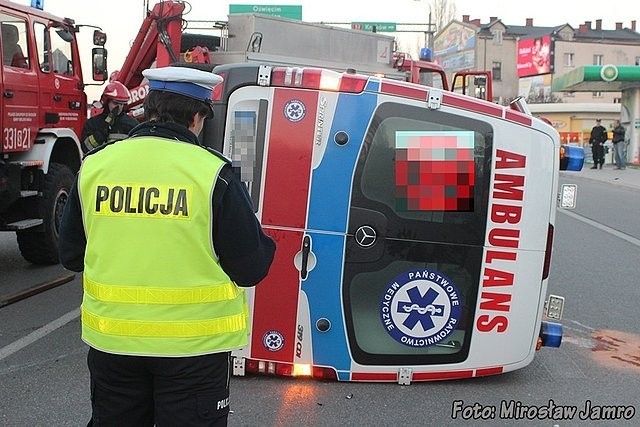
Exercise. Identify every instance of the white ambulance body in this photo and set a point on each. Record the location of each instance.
(413, 226)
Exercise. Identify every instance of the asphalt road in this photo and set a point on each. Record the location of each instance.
(595, 266)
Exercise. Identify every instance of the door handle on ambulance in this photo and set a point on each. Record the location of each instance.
(306, 248)
(305, 259)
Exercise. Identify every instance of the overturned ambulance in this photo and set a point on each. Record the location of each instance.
(414, 225)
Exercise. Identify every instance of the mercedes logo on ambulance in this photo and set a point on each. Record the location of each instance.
(365, 236)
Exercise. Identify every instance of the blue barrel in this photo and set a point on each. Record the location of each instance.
(571, 158)
(551, 334)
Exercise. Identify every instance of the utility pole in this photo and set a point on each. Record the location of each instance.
(431, 31)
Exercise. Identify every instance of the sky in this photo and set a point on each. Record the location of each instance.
(121, 19)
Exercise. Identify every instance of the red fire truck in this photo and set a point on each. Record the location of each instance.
(43, 109)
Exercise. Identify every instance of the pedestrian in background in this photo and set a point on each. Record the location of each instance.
(619, 147)
(166, 236)
(597, 139)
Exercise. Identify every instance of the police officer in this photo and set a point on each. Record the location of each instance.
(597, 139)
(166, 236)
(113, 123)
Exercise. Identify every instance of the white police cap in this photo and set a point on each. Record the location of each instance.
(184, 81)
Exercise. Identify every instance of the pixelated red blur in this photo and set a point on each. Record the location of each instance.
(434, 171)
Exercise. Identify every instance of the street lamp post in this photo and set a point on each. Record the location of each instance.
(430, 31)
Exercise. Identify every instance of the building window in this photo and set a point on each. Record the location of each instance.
(597, 94)
(567, 35)
(568, 59)
(497, 36)
(617, 100)
(598, 59)
(637, 60)
(496, 71)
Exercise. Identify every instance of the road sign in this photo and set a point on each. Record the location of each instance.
(283, 11)
(381, 27)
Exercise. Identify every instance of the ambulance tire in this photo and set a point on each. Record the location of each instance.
(41, 247)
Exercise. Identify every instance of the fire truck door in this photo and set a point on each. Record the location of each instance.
(20, 87)
(65, 101)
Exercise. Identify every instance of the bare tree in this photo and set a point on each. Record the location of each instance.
(440, 12)
(443, 11)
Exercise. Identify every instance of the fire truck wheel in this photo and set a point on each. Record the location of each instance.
(42, 247)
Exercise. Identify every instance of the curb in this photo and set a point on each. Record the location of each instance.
(609, 181)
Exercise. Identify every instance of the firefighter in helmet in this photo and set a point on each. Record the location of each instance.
(113, 123)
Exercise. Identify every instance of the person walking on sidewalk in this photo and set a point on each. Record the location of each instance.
(597, 139)
(619, 145)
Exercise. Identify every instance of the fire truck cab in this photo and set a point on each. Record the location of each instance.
(414, 226)
(42, 109)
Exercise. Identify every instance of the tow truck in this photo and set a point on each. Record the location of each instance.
(43, 110)
(164, 39)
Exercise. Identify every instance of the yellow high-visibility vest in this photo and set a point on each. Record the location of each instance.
(152, 281)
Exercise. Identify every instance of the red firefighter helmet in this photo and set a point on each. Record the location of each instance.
(115, 91)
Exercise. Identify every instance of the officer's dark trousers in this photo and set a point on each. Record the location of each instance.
(165, 391)
(598, 154)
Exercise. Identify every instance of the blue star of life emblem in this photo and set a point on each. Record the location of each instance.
(420, 308)
(295, 110)
(273, 340)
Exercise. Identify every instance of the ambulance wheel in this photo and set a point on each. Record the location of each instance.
(41, 247)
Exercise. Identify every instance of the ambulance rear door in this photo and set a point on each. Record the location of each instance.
(363, 192)
(269, 136)
(296, 149)
(416, 231)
